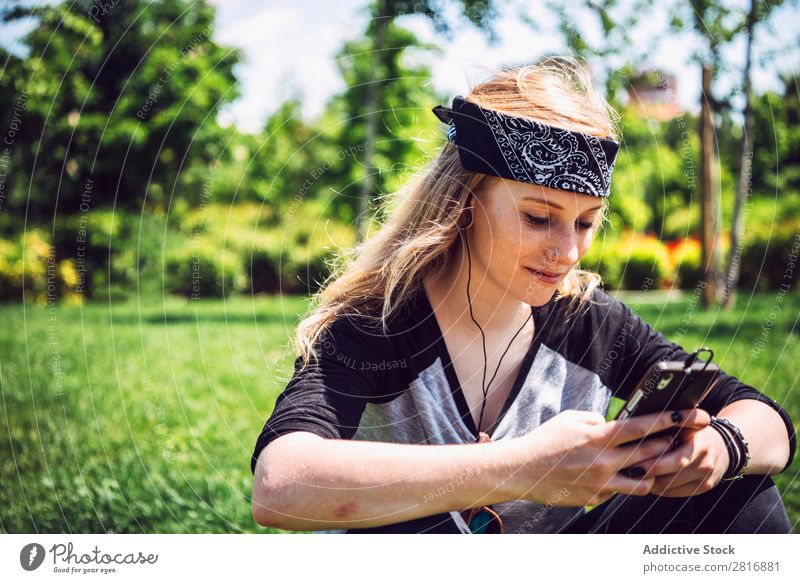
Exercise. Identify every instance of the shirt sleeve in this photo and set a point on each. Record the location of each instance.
(328, 396)
(643, 347)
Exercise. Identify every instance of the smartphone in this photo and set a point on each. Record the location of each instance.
(671, 385)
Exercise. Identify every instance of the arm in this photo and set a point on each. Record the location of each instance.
(359, 484)
(574, 457)
(699, 464)
(765, 433)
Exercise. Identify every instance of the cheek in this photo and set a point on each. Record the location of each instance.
(585, 241)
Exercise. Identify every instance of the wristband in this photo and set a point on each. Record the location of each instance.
(733, 457)
(739, 469)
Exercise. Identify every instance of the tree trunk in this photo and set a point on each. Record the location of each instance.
(372, 105)
(745, 175)
(708, 222)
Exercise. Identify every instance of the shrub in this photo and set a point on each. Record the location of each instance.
(203, 270)
(262, 265)
(603, 257)
(686, 257)
(114, 251)
(647, 265)
(770, 257)
(24, 265)
(632, 261)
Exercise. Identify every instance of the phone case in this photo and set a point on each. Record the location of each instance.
(671, 385)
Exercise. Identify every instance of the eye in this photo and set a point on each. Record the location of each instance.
(544, 221)
(537, 221)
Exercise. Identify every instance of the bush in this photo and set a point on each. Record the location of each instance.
(29, 270)
(686, 257)
(631, 261)
(603, 257)
(647, 265)
(770, 257)
(115, 251)
(262, 266)
(203, 270)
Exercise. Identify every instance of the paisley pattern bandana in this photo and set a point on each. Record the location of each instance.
(521, 149)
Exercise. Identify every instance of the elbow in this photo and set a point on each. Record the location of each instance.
(266, 509)
(263, 512)
(276, 497)
(260, 509)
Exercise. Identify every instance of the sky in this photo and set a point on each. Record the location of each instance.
(289, 49)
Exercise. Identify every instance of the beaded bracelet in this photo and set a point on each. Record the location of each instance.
(743, 459)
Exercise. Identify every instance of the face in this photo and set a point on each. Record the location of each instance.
(526, 238)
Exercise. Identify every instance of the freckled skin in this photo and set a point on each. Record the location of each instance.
(345, 510)
(504, 242)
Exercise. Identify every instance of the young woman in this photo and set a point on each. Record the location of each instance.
(455, 377)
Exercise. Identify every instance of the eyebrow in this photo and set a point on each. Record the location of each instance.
(554, 205)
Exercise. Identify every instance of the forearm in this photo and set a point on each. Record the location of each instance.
(359, 484)
(765, 433)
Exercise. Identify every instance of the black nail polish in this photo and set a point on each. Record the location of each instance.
(677, 417)
(634, 472)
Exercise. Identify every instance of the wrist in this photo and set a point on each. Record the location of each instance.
(722, 455)
(524, 470)
(508, 478)
(737, 446)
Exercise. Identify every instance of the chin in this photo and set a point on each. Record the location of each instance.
(539, 295)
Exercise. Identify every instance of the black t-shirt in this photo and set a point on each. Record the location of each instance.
(401, 387)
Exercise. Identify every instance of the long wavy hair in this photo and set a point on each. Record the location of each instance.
(421, 235)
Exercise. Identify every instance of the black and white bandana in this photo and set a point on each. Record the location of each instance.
(521, 149)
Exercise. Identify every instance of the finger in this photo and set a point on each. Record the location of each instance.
(672, 481)
(630, 455)
(671, 463)
(590, 417)
(700, 420)
(633, 486)
(634, 428)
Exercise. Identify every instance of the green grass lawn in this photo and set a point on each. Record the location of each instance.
(141, 416)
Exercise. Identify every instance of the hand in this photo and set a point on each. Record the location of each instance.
(695, 467)
(574, 459)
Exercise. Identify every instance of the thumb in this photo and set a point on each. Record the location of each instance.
(589, 417)
(695, 419)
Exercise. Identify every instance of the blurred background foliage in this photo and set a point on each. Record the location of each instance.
(137, 411)
(127, 182)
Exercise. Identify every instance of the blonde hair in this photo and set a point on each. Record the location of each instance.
(421, 235)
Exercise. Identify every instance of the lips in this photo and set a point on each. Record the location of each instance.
(547, 276)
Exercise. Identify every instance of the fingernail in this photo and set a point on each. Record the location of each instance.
(676, 443)
(677, 417)
(636, 472)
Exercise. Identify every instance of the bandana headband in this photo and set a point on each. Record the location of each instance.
(521, 149)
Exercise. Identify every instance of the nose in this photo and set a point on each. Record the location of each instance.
(563, 248)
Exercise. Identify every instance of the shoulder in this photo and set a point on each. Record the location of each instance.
(600, 309)
(353, 335)
(600, 322)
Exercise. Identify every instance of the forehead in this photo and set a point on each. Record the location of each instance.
(518, 193)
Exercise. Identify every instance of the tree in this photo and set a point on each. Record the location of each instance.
(613, 56)
(120, 101)
(479, 12)
(405, 91)
(718, 24)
